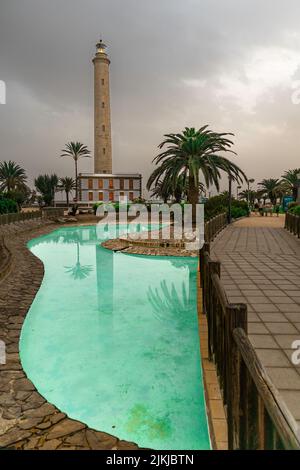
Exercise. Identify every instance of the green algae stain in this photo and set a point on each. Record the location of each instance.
(141, 419)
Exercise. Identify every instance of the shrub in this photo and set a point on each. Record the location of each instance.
(237, 212)
(292, 204)
(219, 204)
(7, 206)
(295, 210)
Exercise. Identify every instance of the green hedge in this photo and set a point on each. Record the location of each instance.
(7, 206)
(219, 204)
(295, 209)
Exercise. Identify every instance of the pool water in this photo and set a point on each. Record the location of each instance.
(112, 340)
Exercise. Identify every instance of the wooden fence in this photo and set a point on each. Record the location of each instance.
(214, 226)
(292, 224)
(257, 418)
(46, 213)
(5, 258)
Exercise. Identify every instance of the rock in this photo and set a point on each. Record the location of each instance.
(50, 445)
(13, 436)
(23, 385)
(100, 440)
(6, 399)
(29, 423)
(64, 427)
(12, 412)
(22, 395)
(32, 443)
(77, 439)
(57, 417)
(35, 400)
(44, 425)
(123, 445)
(40, 412)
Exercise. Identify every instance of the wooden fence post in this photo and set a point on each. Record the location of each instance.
(236, 317)
(214, 267)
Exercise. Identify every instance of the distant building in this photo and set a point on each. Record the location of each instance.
(104, 187)
(103, 184)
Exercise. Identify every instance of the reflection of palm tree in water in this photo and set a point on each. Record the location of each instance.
(79, 271)
(168, 305)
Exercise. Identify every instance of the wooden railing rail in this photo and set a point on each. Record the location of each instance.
(257, 418)
(292, 223)
(46, 213)
(265, 422)
(214, 226)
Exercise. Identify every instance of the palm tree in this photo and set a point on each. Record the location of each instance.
(190, 153)
(290, 177)
(248, 196)
(12, 176)
(76, 150)
(269, 188)
(67, 184)
(46, 185)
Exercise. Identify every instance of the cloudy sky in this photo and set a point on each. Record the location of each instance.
(232, 64)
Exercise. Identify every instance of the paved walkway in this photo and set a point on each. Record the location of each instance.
(261, 267)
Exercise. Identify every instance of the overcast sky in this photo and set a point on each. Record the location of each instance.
(231, 64)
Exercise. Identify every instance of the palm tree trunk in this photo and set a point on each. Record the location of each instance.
(76, 180)
(67, 196)
(193, 197)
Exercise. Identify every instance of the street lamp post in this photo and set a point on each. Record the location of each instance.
(251, 181)
(229, 197)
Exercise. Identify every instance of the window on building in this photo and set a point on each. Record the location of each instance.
(122, 193)
(100, 184)
(100, 196)
(104, 150)
(130, 184)
(104, 171)
(111, 196)
(131, 196)
(111, 184)
(121, 184)
(91, 196)
(90, 183)
(103, 128)
(102, 81)
(103, 104)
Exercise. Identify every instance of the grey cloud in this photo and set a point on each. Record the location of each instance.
(159, 50)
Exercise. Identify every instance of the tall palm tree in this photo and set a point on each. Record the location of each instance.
(67, 184)
(75, 150)
(250, 196)
(46, 185)
(193, 152)
(291, 178)
(12, 176)
(269, 188)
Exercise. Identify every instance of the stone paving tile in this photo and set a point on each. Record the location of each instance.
(263, 341)
(292, 400)
(257, 328)
(284, 378)
(274, 358)
(285, 341)
(281, 328)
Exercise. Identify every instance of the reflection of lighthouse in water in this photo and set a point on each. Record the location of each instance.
(105, 280)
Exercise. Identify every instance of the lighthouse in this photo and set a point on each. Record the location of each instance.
(102, 120)
(104, 185)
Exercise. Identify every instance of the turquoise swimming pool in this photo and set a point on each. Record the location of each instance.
(112, 340)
